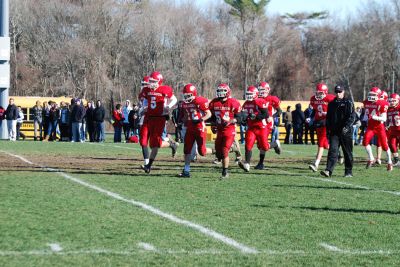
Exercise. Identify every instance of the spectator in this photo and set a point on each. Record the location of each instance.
(287, 120)
(54, 115)
(20, 120)
(364, 125)
(90, 122)
(177, 121)
(309, 125)
(118, 118)
(2, 115)
(356, 125)
(133, 121)
(98, 116)
(64, 121)
(275, 129)
(77, 115)
(45, 117)
(298, 120)
(125, 124)
(37, 121)
(243, 127)
(11, 117)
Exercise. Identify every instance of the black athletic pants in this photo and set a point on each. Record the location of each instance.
(346, 142)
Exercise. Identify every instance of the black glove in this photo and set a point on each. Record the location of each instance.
(197, 121)
(252, 116)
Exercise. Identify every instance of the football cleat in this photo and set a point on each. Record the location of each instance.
(244, 166)
(325, 173)
(277, 148)
(378, 161)
(389, 167)
(224, 176)
(184, 174)
(217, 161)
(259, 166)
(147, 168)
(313, 167)
(370, 163)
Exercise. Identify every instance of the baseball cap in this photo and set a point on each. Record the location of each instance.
(339, 89)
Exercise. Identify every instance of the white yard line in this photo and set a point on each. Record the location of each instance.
(330, 247)
(206, 231)
(55, 247)
(147, 246)
(195, 252)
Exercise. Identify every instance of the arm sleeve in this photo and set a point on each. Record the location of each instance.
(352, 115)
(381, 118)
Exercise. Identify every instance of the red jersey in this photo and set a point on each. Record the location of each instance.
(224, 111)
(194, 111)
(156, 99)
(321, 106)
(374, 108)
(393, 118)
(253, 107)
(274, 102)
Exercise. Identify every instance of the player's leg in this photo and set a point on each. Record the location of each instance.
(382, 139)
(323, 143)
(250, 139)
(187, 149)
(227, 142)
(369, 134)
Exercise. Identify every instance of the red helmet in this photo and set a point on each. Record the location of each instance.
(155, 80)
(374, 94)
(145, 82)
(263, 89)
(251, 93)
(223, 91)
(394, 100)
(384, 96)
(321, 91)
(189, 93)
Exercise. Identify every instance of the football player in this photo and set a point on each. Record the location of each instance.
(160, 99)
(225, 111)
(384, 98)
(320, 102)
(256, 113)
(393, 124)
(274, 110)
(195, 112)
(376, 109)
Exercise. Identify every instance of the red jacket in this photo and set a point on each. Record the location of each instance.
(118, 118)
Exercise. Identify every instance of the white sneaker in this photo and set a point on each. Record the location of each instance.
(313, 167)
(244, 166)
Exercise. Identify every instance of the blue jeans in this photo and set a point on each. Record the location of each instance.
(243, 129)
(117, 134)
(274, 134)
(100, 132)
(52, 128)
(355, 133)
(76, 135)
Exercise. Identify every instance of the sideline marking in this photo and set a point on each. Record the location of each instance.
(55, 247)
(147, 246)
(330, 247)
(206, 231)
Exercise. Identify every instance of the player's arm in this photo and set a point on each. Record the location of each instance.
(262, 114)
(172, 101)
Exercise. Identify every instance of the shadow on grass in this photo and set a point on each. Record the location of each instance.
(345, 210)
(319, 187)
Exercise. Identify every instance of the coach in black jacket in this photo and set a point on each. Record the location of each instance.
(339, 125)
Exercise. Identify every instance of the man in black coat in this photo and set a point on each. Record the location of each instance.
(99, 114)
(339, 125)
(11, 115)
(298, 120)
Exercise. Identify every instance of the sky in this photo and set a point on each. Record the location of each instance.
(341, 7)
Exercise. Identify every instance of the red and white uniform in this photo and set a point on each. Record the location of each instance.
(321, 107)
(393, 122)
(195, 132)
(273, 104)
(375, 127)
(257, 129)
(155, 114)
(224, 112)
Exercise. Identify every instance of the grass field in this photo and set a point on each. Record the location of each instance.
(69, 204)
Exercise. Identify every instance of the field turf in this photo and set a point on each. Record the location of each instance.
(72, 204)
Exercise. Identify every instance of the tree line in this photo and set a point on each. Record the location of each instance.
(101, 49)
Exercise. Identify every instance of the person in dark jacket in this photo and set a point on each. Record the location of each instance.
(339, 125)
(77, 114)
(54, 115)
(98, 116)
(11, 117)
(90, 122)
(309, 128)
(298, 120)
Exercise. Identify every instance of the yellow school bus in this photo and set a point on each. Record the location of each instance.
(27, 103)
